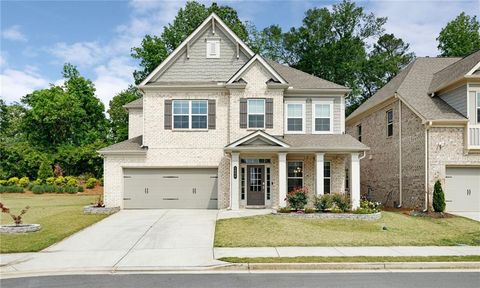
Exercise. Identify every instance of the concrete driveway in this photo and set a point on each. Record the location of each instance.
(131, 239)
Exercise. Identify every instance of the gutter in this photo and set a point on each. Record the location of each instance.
(400, 178)
(427, 160)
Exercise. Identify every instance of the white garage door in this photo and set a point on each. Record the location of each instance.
(462, 189)
(170, 188)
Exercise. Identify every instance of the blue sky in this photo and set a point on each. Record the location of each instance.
(37, 37)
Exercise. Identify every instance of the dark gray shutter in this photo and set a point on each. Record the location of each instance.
(167, 119)
(211, 114)
(243, 113)
(269, 113)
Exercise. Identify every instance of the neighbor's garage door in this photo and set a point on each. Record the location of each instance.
(170, 188)
(462, 189)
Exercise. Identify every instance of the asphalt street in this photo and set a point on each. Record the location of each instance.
(250, 280)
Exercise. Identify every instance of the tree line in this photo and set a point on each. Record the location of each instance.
(64, 125)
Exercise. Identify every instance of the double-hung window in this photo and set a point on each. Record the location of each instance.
(256, 113)
(294, 175)
(389, 123)
(322, 117)
(190, 114)
(295, 117)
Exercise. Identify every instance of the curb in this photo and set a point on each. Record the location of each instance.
(350, 266)
(252, 268)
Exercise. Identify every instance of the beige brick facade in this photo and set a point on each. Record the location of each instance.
(135, 122)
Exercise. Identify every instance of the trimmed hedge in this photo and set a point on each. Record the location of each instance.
(11, 189)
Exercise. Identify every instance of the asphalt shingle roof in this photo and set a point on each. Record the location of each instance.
(454, 72)
(138, 103)
(412, 85)
(130, 145)
(301, 80)
(326, 142)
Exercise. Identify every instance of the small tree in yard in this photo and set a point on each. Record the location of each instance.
(44, 171)
(16, 218)
(438, 197)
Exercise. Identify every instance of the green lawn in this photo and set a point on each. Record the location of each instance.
(59, 215)
(402, 230)
(318, 259)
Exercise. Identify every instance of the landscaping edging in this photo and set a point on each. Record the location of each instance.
(22, 228)
(100, 210)
(348, 216)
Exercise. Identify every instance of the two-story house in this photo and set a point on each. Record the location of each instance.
(221, 127)
(423, 126)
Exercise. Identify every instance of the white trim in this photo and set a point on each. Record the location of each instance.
(323, 102)
(249, 63)
(190, 37)
(216, 43)
(475, 68)
(320, 173)
(282, 179)
(477, 100)
(255, 134)
(264, 113)
(288, 102)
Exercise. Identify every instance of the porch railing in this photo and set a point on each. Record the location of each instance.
(474, 136)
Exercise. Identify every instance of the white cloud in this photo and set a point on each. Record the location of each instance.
(16, 84)
(419, 22)
(113, 77)
(81, 53)
(3, 61)
(13, 33)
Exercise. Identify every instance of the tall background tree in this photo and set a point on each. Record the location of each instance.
(119, 115)
(154, 49)
(460, 37)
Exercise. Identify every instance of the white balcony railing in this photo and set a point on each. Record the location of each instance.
(474, 136)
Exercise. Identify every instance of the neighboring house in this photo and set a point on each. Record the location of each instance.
(423, 126)
(221, 127)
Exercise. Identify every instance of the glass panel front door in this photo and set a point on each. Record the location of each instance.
(255, 185)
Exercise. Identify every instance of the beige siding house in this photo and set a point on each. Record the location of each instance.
(423, 126)
(220, 127)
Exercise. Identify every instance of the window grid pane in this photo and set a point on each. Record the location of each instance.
(294, 124)
(322, 110)
(268, 183)
(295, 110)
(322, 117)
(322, 124)
(256, 121)
(326, 177)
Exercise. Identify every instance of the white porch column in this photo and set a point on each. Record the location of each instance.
(355, 180)
(234, 181)
(319, 173)
(282, 179)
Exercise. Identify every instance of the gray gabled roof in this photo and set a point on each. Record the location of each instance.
(412, 85)
(132, 145)
(300, 80)
(454, 72)
(138, 103)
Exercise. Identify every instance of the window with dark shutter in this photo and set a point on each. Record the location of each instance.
(167, 119)
(243, 113)
(269, 113)
(211, 114)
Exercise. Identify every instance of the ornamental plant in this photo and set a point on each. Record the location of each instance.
(24, 181)
(13, 181)
(438, 197)
(91, 183)
(44, 171)
(342, 202)
(16, 218)
(297, 198)
(324, 202)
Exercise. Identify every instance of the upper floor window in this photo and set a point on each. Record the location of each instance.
(295, 117)
(389, 123)
(323, 117)
(256, 113)
(213, 48)
(190, 114)
(359, 132)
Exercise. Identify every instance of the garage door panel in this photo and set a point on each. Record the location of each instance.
(462, 189)
(170, 188)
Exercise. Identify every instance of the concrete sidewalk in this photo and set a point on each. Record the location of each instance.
(347, 251)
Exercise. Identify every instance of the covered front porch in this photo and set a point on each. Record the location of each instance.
(263, 169)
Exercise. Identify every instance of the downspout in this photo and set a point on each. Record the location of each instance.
(400, 176)
(427, 126)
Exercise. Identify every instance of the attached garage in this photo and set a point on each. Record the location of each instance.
(462, 189)
(170, 188)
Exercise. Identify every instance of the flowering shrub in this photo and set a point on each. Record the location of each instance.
(368, 207)
(342, 202)
(297, 198)
(324, 202)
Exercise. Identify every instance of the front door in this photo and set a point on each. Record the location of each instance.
(255, 188)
